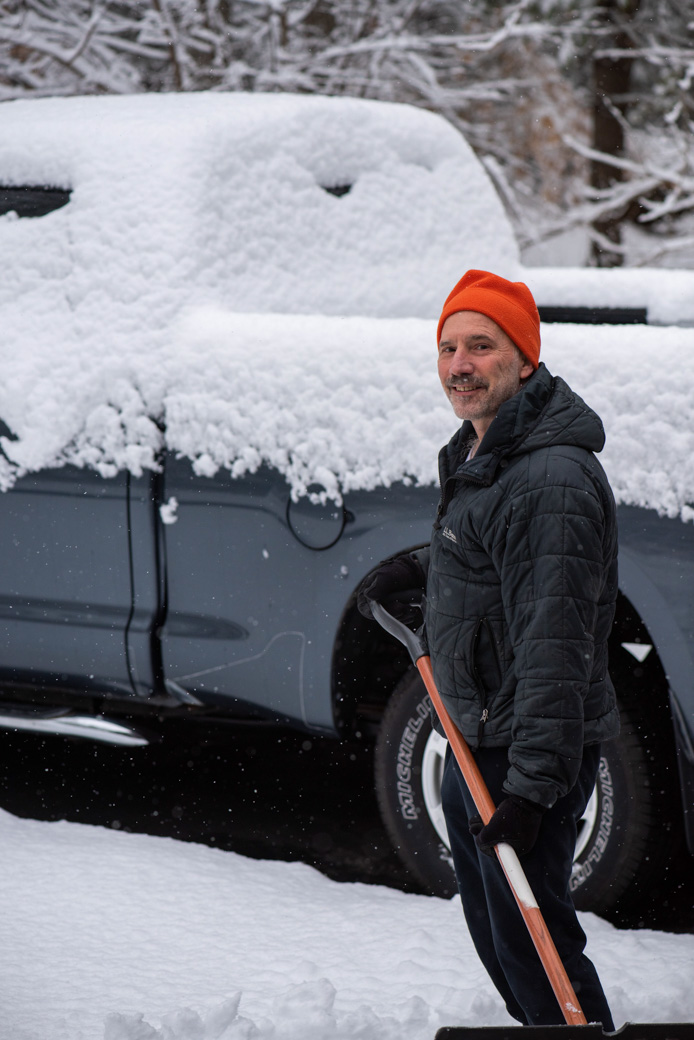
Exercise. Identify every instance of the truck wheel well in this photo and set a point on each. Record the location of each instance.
(367, 665)
(642, 689)
(641, 684)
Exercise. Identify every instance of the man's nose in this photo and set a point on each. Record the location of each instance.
(461, 363)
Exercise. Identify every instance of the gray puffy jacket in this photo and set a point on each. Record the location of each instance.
(521, 587)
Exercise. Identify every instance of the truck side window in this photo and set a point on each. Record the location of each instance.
(32, 200)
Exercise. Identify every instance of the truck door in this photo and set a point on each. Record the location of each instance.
(233, 634)
(65, 583)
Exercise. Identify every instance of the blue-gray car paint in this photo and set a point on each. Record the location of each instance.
(239, 602)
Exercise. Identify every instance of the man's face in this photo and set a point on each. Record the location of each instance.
(479, 367)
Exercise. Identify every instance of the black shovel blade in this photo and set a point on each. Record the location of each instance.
(630, 1031)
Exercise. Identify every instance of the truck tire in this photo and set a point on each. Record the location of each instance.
(620, 838)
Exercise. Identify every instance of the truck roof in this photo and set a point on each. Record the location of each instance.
(265, 202)
(249, 279)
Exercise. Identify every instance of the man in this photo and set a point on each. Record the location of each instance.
(521, 582)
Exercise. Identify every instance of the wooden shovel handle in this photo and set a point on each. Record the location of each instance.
(515, 875)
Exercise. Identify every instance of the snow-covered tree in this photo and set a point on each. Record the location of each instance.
(632, 62)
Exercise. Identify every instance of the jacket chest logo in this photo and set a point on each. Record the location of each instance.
(447, 533)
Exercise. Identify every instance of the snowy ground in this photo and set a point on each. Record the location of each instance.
(115, 936)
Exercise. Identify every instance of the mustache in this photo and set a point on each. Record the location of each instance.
(462, 381)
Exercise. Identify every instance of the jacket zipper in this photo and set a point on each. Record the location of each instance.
(478, 683)
(445, 499)
(484, 717)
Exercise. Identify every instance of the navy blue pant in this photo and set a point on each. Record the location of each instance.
(496, 926)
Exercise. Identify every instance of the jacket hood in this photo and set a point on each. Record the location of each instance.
(545, 413)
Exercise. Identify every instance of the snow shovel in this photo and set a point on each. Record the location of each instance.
(576, 1027)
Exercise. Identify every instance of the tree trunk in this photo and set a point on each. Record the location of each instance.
(611, 85)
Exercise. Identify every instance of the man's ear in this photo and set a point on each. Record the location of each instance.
(526, 370)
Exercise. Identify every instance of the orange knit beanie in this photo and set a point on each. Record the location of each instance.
(509, 304)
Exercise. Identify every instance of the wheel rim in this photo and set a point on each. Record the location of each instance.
(432, 775)
(587, 824)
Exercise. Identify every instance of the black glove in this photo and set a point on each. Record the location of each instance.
(398, 585)
(516, 821)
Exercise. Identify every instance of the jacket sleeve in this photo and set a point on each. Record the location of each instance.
(550, 553)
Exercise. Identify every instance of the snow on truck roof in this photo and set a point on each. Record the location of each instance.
(261, 202)
(248, 279)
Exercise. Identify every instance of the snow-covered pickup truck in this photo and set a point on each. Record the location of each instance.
(221, 410)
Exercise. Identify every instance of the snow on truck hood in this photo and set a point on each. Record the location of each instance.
(666, 295)
(203, 292)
